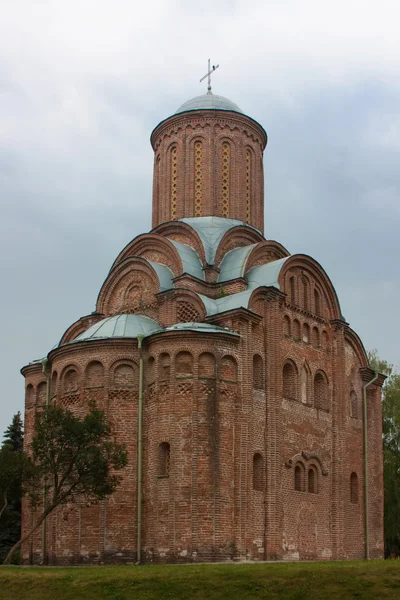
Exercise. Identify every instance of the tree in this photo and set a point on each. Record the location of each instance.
(391, 451)
(74, 458)
(14, 434)
(12, 466)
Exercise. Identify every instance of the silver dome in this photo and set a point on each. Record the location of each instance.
(209, 102)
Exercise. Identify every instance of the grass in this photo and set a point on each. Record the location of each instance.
(295, 581)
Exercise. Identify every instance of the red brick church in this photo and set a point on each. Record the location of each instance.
(255, 445)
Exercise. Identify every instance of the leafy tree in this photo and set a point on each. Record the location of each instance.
(391, 451)
(14, 434)
(75, 458)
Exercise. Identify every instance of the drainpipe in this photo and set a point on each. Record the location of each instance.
(366, 463)
(44, 526)
(140, 449)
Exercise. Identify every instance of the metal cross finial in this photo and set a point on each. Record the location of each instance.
(211, 69)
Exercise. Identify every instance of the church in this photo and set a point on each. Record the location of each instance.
(250, 414)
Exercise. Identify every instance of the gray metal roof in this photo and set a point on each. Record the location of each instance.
(265, 274)
(119, 326)
(164, 275)
(191, 262)
(211, 230)
(200, 328)
(209, 102)
(233, 264)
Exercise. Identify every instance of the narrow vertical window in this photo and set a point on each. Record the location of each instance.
(164, 459)
(321, 391)
(198, 179)
(354, 405)
(258, 473)
(173, 181)
(317, 303)
(299, 478)
(258, 372)
(292, 291)
(354, 488)
(312, 481)
(226, 159)
(248, 185)
(306, 287)
(289, 381)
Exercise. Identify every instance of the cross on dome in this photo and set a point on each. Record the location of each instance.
(208, 75)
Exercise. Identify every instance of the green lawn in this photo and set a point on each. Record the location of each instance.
(294, 581)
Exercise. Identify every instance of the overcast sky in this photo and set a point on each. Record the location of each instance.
(84, 82)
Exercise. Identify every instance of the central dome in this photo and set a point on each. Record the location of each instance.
(209, 102)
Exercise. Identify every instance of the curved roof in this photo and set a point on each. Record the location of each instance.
(211, 230)
(233, 264)
(265, 274)
(164, 274)
(119, 326)
(201, 328)
(191, 262)
(209, 102)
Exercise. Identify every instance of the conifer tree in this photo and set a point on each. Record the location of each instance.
(14, 434)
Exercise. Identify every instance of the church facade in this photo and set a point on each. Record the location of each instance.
(255, 444)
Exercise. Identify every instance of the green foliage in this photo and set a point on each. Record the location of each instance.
(391, 451)
(12, 465)
(76, 455)
(14, 434)
(74, 458)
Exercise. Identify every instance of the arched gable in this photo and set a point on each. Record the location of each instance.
(130, 286)
(356, 344)
(237, 237)
(183, 233)
(182, 306)
(264, 253)
(79, 327)
(153, 247)
(309, 274)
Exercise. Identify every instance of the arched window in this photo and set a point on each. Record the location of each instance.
(286, 325)
(289, 376)
(198, 178)
(164, 366)
(292, 289)
(248, 184)
(29, 394)
(306, 291)
(228, 369)
(164, 459)
(317, 302)
(207, 365)
(321, 394)
(225, 179)
(306, 333)
(126, 376)
(174, 177)
(353, 405)
(94, 374)
(304, 392)
(184, 364)
(354, 488)
(296, 329)
(258, 472)
(315, 337)
(258, 372)
(312, 480)
(299, 478)
(70, 382)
